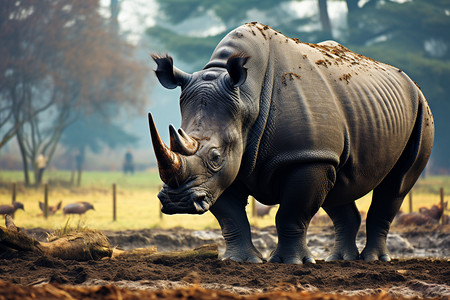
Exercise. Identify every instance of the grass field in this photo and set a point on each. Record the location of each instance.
(137, 204)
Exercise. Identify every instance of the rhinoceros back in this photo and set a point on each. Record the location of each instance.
(320, 103)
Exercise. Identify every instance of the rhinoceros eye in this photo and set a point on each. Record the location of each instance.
(215, 159)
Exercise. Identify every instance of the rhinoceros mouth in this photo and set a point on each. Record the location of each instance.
(188, 202)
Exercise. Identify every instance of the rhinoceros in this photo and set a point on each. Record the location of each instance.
(296, 124)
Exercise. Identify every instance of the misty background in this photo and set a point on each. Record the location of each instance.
(77, 81)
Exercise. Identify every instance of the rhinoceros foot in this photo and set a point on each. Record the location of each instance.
(344, 253)
(377, 230)
(249, 254)
(288, 256)
(373, 254)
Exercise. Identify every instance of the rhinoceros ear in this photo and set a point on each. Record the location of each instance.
(236, 69)
(168, 75)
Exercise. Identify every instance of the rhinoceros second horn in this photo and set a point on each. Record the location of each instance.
(181, 142)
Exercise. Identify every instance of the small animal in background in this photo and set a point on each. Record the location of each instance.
(435, 212)
(424, 216)
(262, 210)
(51, 209)
(78, 208)
(10, 209)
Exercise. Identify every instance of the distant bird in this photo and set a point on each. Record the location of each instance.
(262, 210)
(10, 209)
(77, 208)
(50, 209)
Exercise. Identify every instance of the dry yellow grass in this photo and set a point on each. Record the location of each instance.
(135, 210)
(137, 205)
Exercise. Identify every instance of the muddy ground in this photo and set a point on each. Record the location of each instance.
(420, 268)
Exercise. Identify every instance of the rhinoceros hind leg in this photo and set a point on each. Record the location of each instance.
(389, 194)
(229, 211)
(302, 192)
(382, 211)
(346, 220)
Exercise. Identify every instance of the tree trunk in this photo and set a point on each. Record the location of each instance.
(79, 172)
(352, 5)
(352, 14)
(72, 177)
(115, 9)
(26, 174)
(79, 161)
(325, 19)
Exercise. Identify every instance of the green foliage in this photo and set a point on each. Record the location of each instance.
(91, 180)
(407, 25)
(195, 50)
(228, 11)
(230, 14)
(433, 185)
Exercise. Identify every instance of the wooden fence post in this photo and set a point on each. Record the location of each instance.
(46, 200)
(410, 201)
(14, 190)
(441, 192)
(114, 202)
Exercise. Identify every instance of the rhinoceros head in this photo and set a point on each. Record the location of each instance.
(205, 153)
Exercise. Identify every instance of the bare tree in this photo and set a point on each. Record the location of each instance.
(60, 60)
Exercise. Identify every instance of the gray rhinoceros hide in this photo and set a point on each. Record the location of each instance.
(296, 124)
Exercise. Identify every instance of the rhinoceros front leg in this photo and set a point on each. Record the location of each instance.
(302, 192)
(229, 210)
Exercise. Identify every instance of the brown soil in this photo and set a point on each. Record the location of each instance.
(25, 275)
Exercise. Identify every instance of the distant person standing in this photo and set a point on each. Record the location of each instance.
(128, 165)
(41, 164)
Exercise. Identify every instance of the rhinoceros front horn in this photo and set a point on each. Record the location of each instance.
(169, 162)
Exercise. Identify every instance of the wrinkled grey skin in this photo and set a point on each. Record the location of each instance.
(300, 125)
